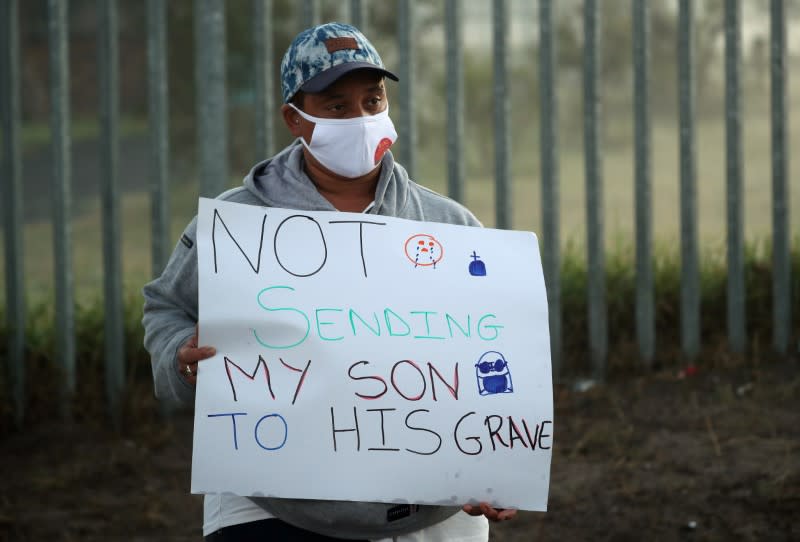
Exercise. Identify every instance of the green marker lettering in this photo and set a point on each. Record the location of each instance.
(320, 324)
(270, 309)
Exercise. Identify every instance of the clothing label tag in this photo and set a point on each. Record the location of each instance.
(401, 511)
(186, 241)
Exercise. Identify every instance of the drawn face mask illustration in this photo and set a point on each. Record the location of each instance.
(350, 147)
(493, 374)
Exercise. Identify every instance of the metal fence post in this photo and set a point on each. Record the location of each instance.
(158, 120)
(263, 71)
(12, 204)
(61, 143)
(737, 332)
(548, 148)
(408, 126)
(212, 104)
(114, 319)
(455, 101)
(310, 13)
(781, 241)
(598, 327)
(502, 105)
(645, 318)
(358, 15)
(690, 274)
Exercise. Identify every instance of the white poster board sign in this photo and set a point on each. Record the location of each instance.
(370, 358)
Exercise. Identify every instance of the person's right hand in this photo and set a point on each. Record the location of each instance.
(189, 355)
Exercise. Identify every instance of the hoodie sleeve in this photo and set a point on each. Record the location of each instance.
(170, 317)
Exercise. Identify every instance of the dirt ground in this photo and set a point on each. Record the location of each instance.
(710, 456)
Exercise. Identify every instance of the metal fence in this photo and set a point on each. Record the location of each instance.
(210, 55)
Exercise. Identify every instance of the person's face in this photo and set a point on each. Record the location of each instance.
(357, 94)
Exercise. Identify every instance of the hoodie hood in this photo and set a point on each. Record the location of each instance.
(281, 181)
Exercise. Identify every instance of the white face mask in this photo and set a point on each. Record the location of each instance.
(350, 147)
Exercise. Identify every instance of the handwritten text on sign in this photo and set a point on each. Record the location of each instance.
(370, 358)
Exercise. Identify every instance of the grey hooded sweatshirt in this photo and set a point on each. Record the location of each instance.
(170, 315)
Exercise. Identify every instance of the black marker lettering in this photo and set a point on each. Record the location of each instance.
(476, 439)
(415, 428)
(360, 235)
(379, 379)
(251, 376)
(542, 435)
(528, 433)
(452, 389)
(494, 432)
(302, 376)
(512, 431)
(217, 216)
(358, 433)
(421, 375)
(322, 238)
(383, 431)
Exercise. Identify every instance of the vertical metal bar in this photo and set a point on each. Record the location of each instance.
(158, 120)
(358, 15)
(690, 269)
(781, 241)
(548, 149)
(158, 113)
(502, 105)
(108, 67)
(405, 47)
(455, 101)
(737, 334)
(598, 332)
(12, 204)
(263, 32)
(645, 317)
(61, 198)
(212, 106)
(310, 13)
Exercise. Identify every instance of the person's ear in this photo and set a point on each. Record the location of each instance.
(292, 119)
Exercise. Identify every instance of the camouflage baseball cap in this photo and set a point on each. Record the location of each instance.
(320, 55)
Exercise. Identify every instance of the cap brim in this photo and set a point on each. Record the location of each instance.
(325, 79)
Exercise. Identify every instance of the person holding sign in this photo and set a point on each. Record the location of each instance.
(336, 106)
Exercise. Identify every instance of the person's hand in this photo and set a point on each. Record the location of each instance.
(189, 355)
(492, 514)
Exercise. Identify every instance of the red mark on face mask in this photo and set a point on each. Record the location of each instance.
(383, 146)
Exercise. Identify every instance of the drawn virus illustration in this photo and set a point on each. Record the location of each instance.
(424, 250)
(476, 267)
(493, 374)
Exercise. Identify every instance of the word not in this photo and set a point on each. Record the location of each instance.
(335, 323)
(317, 255)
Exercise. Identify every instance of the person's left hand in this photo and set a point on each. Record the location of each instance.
(492, 514)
